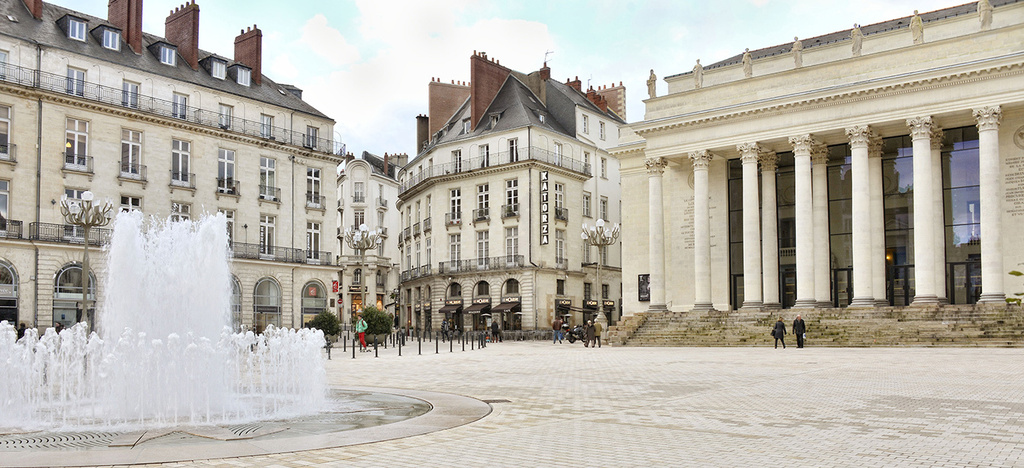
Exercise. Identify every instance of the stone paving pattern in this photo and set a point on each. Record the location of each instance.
(756, 406)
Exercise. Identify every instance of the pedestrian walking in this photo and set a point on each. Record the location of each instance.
(779, 332)
(597, 333)
(588, 334)
(21, 330)
(495, 332)
(361, 327)
(800, 331)
(556, 328)
(445, 330)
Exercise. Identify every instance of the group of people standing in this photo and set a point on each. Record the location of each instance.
(591, 332)
(799, 329)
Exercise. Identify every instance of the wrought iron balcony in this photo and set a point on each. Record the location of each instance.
(316, 201)
(561, 263)
(183, 179)
(481, 214)
(381, 202)
(359, 198)
(270, 193)
(227, 186)
(406, 275)
(274, 253)
(383, 231)
(132, 171)
(426, 225)
(416, 229)
(492, 160)
(406, 233)
(453, 219)
(8, 153)
(67, 233)
(510, 211)
(503, 262)
(317, 257)
(78, 163)
(561, 214)
(10, 229)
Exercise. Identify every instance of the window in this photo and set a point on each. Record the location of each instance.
(482, 196)
(218, 69)
(76, 144)
(229, 216)
(512, 241)
(604, 168)
(358, 217)
(512, 195)
(483, 246)
(226, 113)
(180, 211)
(267, 227)
(604, 208)
(559, 195)
(3, 64)
(456, 204)
(586, 253)
(226, 172)
(604, 291)
(494, 120)
(312, 134)
(603, 250)
(168, 55)
(131, 152)
(560, 287)
(587, 287)
(5, 200)
(427, 252)
(130, 94)
(268, 178)
(76, 29)
(181, 158)
(454, 247)
(179, 108)
(560, 246)
(357, 276)
(485, 155)
(513, 150)
(586, 123)
(600, 127)
(244, 76)
(76, 82)
(5, 131)
(512, 286)
(586, 204)
(129, 203)
(457, 161)
(313, 240)
(111, 39)
(465, 126)
(358, 192)
(266, 126)
(313, 187)
(418, 255)
(558, 154)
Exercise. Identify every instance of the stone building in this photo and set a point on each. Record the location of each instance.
(155, 124)
(881, 165)
(510, 166)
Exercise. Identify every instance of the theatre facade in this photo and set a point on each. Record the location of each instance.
(880, 165)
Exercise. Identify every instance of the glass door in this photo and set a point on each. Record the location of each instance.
(787, 275)
(901, 285)
(964, 282)
(842, 287)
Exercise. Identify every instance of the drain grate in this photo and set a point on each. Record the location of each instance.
(497, 401)
(66, 440)
(245, 429)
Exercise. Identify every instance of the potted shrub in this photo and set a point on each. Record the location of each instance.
(328, 323)
(378, 324)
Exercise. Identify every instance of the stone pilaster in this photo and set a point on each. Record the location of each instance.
(940, 221)
(877, 223)
(656, 232)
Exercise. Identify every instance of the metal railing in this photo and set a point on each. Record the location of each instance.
(483, 263)
(59, 83)
(10, 229)
(382, 202)
(78, 163)
(510, 211)
(414, 273)
(496, 159)
(227, 186)
(481, 214)
(426, 225)
(9, 153)
(359, 198)
(183, 179)
(280, 254)
(562, 213)
(452, 219)
(270, 193)
(406, 233)
(317, 257)
(316, 201)
(383, 231)
(416, 229)
(67, 233)
(562, 263)
(132, 171)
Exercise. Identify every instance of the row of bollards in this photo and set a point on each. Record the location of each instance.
(476, 340)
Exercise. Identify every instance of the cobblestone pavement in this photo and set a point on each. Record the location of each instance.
(619, 407)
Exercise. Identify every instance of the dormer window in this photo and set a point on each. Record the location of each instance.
(111, 39)
(244, 76)
(168, 55)
(218, 69)
(76, 29)
(465, 126)
(494, 120)
(541, 116)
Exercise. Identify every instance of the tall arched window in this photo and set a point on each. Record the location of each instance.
(357, 276)
(380, 279)
(511, 287)
(8, 293)
(67, 293)
(314, 300)
(236, 304)
(483, 289)
(455, 290)
(267, 304)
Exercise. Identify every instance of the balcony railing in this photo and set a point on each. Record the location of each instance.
(414, 273)
(67, 233)
(510, 211)
(316, 201)
(8, 153)
(317, 257)
(453, 219)
(10, 229)
(381, 202)
(561, 213)
(60, 83)
(405, 275)
(416, 229)
(183, 179)
(406, 233)
(270, 193)
(78, 163)
(359, 198)
(280, 254)
(383, 231)
(561, 263)
(426, 225)
(481, 214)
(503, 262)
(132, 171)
(495, 159)
(227, 186)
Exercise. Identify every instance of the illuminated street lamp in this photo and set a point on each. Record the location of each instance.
(362, 239)
(600, 236)
(87, 215)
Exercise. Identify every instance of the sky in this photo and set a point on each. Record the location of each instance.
(366, 63)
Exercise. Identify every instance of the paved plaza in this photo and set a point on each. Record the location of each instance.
(572, 406)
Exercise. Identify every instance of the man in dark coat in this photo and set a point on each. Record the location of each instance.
(495, 332)
(799, 329)
(779, 332)
(588, 333)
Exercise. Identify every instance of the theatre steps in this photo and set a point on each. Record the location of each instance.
(999, 326)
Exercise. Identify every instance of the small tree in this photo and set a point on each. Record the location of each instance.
(326, 322)
(1015, 300)
(378, 322)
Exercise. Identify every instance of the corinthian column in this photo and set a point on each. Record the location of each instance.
(822, 265)
(770, 238)
(749, 154)
(877, 222)
(862, 294)
(940, 221)
(656, 232)
(804, 221)
(924, 216)
(701, 232)
(991, 205)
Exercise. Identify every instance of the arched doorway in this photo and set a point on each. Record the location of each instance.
(236, 304)
(314, 301)
(8, 293)
(266, 304)
(480, 310)
(452, 309)
(67, 295)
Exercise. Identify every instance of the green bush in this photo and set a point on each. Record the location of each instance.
(378, 322)
(326, 322)
(1015, 300)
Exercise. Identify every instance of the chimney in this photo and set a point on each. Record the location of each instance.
(485, 77)
(182, 30)
(615, 96)
(127, 15)
(386, 174)
(35, 7)
(249, 52)
(545, 72)
(576, 84)
(597, 99)
(443, 100)
(422, 132)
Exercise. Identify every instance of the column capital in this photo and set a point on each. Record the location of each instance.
(750, 152)
(937, 137)
(859, 135)
(803, 144)
(920, 127)
(875, 146)
(655, 166)
(701, 159)
(819, 154)
(988, 117)
(769, 161)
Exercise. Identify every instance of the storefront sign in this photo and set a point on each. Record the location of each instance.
(608, 304)
(511, 299)
(355, 289)
(543, 207)
(482, 300)
(334, 286)
(590, 303)
(563, 302)
(453, 302)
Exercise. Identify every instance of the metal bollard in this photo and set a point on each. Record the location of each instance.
(462, 337)
(344, 344)
(419, 342)
(399, 347)
(353, 348)
(375, 346)
(471, 341)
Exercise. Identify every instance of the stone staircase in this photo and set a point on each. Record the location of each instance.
(979, 325)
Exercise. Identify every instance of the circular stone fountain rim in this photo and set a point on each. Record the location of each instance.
(447, 411)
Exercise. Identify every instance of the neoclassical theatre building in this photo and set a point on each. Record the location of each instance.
(158, 125)
(881, 165)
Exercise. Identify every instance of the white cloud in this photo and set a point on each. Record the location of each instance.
(282, 69)
(328, 42)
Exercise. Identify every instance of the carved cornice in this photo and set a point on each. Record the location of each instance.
(988, 117)
(859, 135)
(750, 152)
(655, 166)
(920, 127)
(769, 161)
(701, 159)
(802, 144)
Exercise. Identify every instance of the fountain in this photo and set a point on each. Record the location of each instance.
(165, 354)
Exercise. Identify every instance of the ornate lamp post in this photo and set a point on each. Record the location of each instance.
(87, 215)
(600, 236)
(362, 239)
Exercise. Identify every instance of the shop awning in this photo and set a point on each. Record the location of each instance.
(477, 308)
(449, 309)
(505, 307)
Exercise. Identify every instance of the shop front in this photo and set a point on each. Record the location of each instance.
(590, 309)
(479, 311)
(509, 312)
(452, 312)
